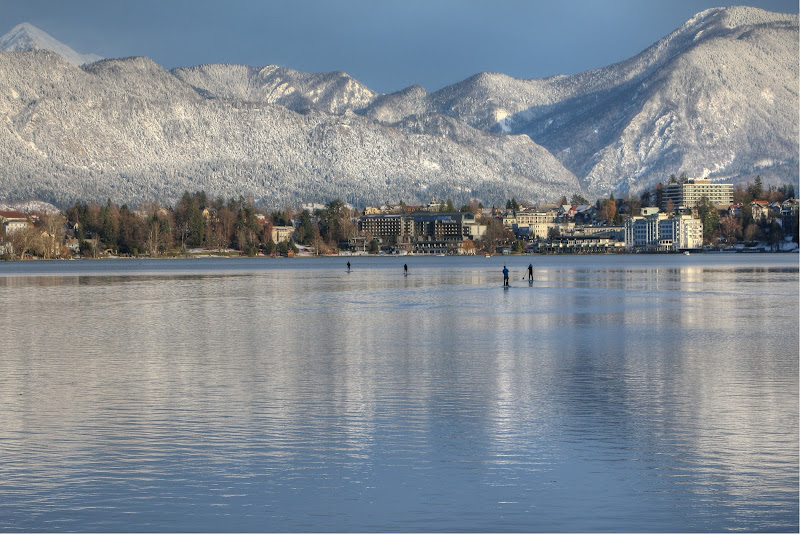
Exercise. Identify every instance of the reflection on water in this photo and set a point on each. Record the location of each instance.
(613, 393)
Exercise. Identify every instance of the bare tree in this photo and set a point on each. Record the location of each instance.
(469, 247)
(608, 210)
(53, 228)
(753, 232)
(495, 234)
(226, 225)
(28, 239)
(158, 234)
(731, 229)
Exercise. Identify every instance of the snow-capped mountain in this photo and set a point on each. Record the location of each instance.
(26, 36)
(128, 130)
(334, 92)
(718, 97)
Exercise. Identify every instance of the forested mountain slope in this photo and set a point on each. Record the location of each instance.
(130, 131)
(718, 97)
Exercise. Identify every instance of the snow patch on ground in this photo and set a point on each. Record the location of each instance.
(766, 163)
(504, 127)
(30, 206)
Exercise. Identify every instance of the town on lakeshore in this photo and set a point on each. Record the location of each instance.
(682, 215)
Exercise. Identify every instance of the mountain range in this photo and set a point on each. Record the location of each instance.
(717, 98)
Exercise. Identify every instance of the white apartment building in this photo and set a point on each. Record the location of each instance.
(538, 222)
(659, 231)
(688, 232)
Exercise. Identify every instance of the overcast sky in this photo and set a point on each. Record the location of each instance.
(388, 45)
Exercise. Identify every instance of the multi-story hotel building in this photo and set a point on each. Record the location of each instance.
(688, 194)
(538, 222)
(425, 233)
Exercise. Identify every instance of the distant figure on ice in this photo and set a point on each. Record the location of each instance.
(348, 266)
(505, 276)
(405, 269)
(530, 272)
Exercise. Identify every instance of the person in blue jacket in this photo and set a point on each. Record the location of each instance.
(505, 275)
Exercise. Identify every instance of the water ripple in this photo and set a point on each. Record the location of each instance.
(251, 398)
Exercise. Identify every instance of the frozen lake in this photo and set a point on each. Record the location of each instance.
(614, 393)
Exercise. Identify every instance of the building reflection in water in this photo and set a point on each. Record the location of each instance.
(672, 389)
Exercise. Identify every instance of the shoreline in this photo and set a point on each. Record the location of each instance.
(230, 255)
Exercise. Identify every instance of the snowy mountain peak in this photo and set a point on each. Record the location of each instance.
(24, 37)
(716, 98)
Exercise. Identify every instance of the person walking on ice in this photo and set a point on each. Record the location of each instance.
(505, 276)
(530, 272)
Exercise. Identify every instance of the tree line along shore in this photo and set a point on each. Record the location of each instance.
(197, 223)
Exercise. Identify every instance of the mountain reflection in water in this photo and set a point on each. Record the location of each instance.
(613, 393)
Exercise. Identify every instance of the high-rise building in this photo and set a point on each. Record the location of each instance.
(688, 194)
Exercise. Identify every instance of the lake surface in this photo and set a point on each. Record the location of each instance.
(614, 393)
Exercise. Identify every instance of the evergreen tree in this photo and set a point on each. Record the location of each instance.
(710, 217)
(334, 222)
(747, 215)
(131, 232)
(776, 235)
(268, 247)
(109, 225)
(305, 231)
(189, 221)
(247, 229)
(578, 200)
(279, 218)
(756, 190)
